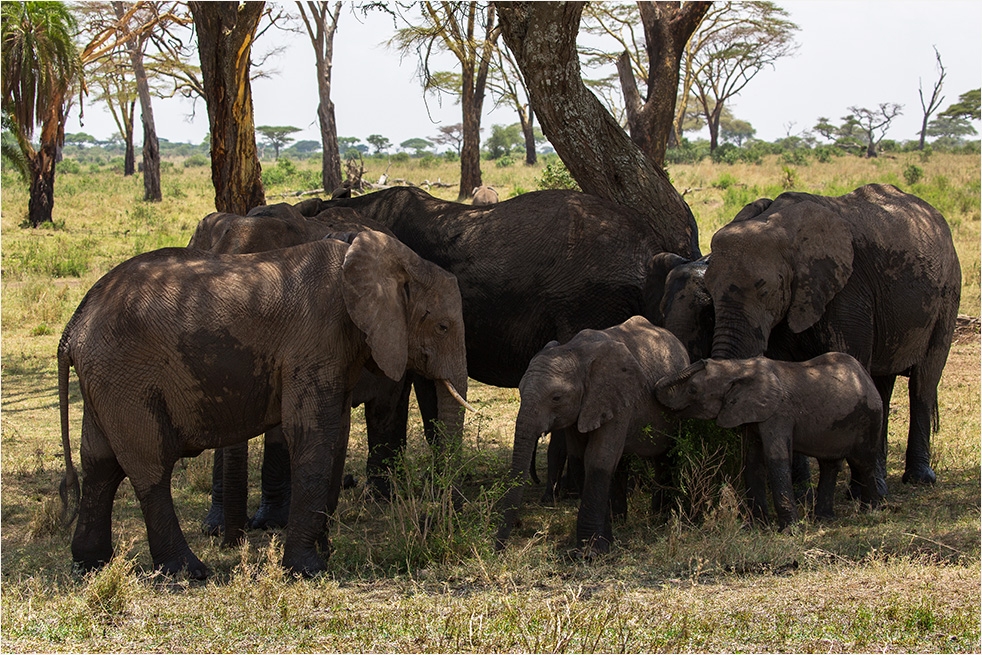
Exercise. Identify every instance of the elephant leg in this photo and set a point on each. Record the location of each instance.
(828, 473)
(923, 390)
(866, 472)
(235, 469)
(755, 475)
(92, 543)
(619, 490)
(801, 478)
(214, 521)
(776, 442)
(314, 455)
(573, 482)
(386, 416)
(168, 546)
(274, 504)
(884, 385)
(593, 521)
(556, 462)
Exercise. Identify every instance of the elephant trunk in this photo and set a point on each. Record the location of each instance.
(451, 395)
(736, 336)
(671, 389)
(527, 433)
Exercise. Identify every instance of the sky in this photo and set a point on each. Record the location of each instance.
(851, 53)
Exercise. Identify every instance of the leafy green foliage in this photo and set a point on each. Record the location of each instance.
(555, 175)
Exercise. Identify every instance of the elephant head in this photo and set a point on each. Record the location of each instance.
(675, 295)
(781, 261)
(583, 385)
(733, 392)
(410, 312)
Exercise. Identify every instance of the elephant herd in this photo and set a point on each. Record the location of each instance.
(795, 327)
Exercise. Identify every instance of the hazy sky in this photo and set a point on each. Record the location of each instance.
(850, 53)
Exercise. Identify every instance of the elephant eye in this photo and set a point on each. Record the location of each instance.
(442, 328)
(556, 398)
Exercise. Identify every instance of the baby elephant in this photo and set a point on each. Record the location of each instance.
(600, 385)
(826, 407)
(484, 195)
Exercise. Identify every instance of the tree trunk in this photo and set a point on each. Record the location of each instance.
(597, 152)
(470, 151)
(327, 22)
(667, 28)
(129, 159)
(151, 146)
(528, 130)
(41, 164)
(226, 31)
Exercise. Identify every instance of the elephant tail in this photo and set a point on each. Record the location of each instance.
(69, 489)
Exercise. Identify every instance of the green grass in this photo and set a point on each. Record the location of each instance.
(419, 575)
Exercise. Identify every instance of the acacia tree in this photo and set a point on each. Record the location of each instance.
(40, 65)
(226, 32)
(151, 145)
(467, 30)
(277, 136)
(874, 123)
(321, 23)
(598, 153)
(655, 61)
(735, 42)
(509, 86)
(930, 106)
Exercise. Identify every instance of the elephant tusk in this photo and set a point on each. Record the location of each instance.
(458, 397)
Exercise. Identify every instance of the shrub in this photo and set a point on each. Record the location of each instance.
(69, 166)
(555, 175)
(913, 174)
(195, 161)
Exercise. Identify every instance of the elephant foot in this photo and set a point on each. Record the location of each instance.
(270, 515)
(306, 563)
(234, 540)
(214, 523)
(196, 569)
(380, 488)
(922, 474)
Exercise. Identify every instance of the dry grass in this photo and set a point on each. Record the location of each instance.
(902, 579)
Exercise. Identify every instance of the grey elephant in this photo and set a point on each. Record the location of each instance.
(269, 227)
(826, 407)
(484, 195)
(676, 292)
(600, 385)
(872, 273)
(181, 350)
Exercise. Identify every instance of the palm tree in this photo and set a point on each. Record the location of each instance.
(40, 66)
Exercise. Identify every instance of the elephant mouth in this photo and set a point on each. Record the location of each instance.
(456, 396)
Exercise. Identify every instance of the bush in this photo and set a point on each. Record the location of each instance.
(195, 161)
(555, 175)
(726, 153)
(68, 166)
(504, 162)
(913, 174)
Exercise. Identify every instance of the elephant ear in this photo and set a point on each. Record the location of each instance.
(659, 266)
(823, 261)
(750, 210)
(375, 287)
(613, 382)
(751, 398)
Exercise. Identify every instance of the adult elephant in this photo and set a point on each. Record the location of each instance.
(535, 268)
(180, 350)
(270, 227)
(872, 273)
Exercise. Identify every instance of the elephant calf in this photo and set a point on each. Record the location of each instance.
(599, 385)
(826, 407)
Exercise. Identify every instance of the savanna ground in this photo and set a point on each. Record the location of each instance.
(414, 576)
